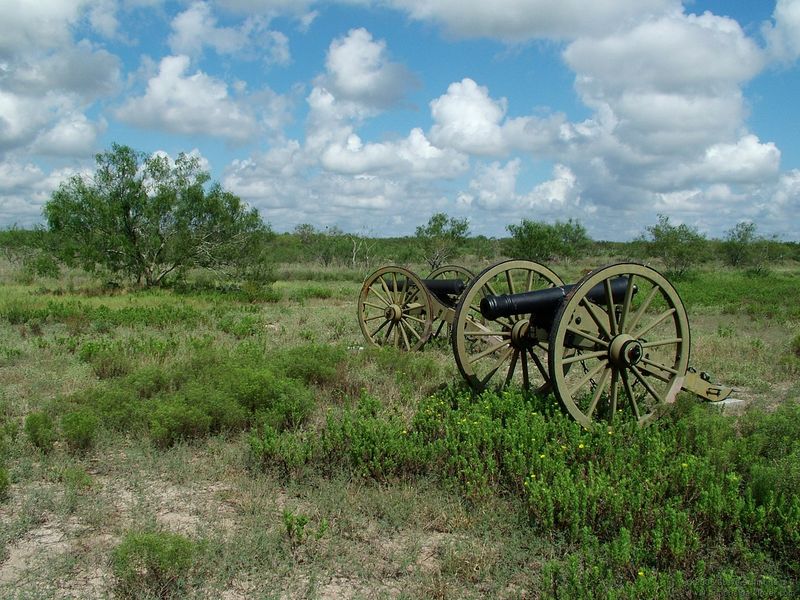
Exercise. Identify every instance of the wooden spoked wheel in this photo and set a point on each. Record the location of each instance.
(622, 353)
(508, 350)
(441, 324)
(394, 309)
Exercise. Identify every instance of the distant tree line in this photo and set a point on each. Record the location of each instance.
(150, 220)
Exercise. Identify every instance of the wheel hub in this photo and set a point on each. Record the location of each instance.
(393, 312)
(625, 351)
(519, 334)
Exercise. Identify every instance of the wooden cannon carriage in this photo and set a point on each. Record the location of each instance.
(616, 341)
(398, 308)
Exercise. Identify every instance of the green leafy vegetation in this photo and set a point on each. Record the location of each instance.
(441, 239)
(153, 564)
(5, 484)
(40, 431)
(680, 247)
(674, 502)
(542, 242)
(141, 217)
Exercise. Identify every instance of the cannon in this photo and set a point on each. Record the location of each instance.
(616, 341)
(398, 308)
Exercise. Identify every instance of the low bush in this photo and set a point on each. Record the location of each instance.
(653, 509)
(40, 431)
(79, 429)
(5, 484)
(174, 420)
(241, 326)
(372, 446)
(153, 564)
(317, 364)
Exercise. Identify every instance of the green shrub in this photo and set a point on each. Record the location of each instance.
(286, 452)
(174, 420)
(317, 364)
(680, 247)
(118, 407)
(40, 431)
(5, 484)
(542, 242)
(311, 291)
(373, 446)
(224, 412)
(275, 400)
(150, 380)
(252, 291)
(153, 564)
(76, 478)
(79, 429)
(241, 326)
(108, 359)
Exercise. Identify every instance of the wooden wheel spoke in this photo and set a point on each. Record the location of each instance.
(405, 291)
(413, 318)
(647, 385)
(587, 376)
(598, 392)
(381, 326)
(497, 365)
(488, 287)
(488, 351)
(488, 333)
(631, 396)
(587, 335)
(388, 331)
(612, 315)
(512, 367)
(368, 319)
(656, 365)
(643, 308)
(526, 380)
(386, 289)
(657, 343)
(413, 331)
(510, 282)
(626, 304)
(537, 361)
(586, 356)
(381, 298)
(658, 320)
(529, 281)
(405, 335)
(655, 372)
(593, 310)
(613, 391)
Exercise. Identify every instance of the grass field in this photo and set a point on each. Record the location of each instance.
(200, 442)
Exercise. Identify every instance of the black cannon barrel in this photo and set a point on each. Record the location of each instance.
(544, 303)
(439, 287)
(445, 287)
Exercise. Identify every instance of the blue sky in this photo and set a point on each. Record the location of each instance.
(371, 115)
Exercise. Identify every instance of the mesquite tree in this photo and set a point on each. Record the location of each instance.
(146, 217)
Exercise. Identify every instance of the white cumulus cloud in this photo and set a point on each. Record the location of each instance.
(529, 19)
(358, 69)
(783, 34)
(189, 104)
